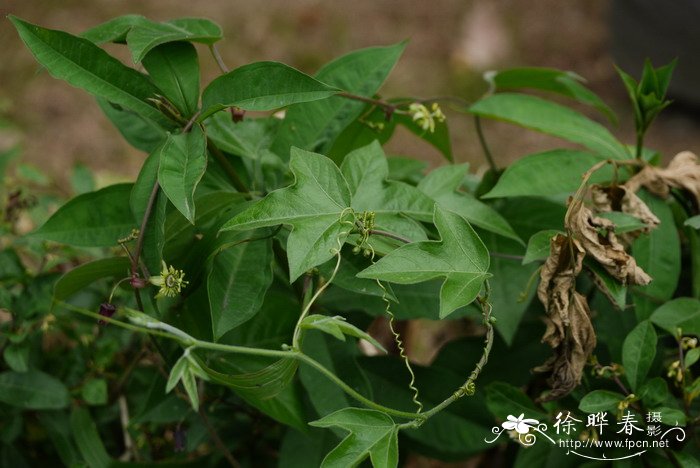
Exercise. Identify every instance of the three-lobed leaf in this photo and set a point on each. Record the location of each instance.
(443, 185)
(372, 433)
(460, 257)
(366, 170)
(315, 206)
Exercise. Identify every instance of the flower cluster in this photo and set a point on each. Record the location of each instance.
(425, 117)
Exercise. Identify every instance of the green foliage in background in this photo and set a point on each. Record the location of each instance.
(241, 302)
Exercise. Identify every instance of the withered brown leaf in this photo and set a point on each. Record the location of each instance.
(683, 172)
(599, 241)
(569, 329)
(621, 198)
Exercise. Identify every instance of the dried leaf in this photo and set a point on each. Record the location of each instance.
(572, 351)
(569, 329)
(598, 239)
(622, 198)
(683, 173)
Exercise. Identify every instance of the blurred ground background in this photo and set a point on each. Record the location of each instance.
(451, 43)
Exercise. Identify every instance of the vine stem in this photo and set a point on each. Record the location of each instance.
(390, 235)
(484, 144)
(135, 260)
(388, 107)
(220, 347)
(217, 57)
(228, 169)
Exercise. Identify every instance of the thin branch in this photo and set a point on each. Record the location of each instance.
(484, 144)
(388, 107)
(390, 235)
(217, 57)
(217, 440)
(142, 234)
(228, 169)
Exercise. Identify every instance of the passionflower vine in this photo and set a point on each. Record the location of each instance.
(425, 117)
(170, 281)
(520, 424)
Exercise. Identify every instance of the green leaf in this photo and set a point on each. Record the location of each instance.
(443, 185)
(539, 245)
(94, 392)
(84, 275)
(547, 117)
(439, 139)
(138, 131)
(659, 254)
(190, 384)
(549, 173)
(249, 138)
(503, 399)
(371, 433)
(671, 416)
(145, 35)
(179, 368)
(638, 352)
(81, 179)
(693, 222)
(259, 384)
(262, 86)
(338, 327)
(154, 237)
(565, 83)
(17, 356)
(183, 160)
(611, 287)
(314, 205)
(366, 170)
(33, 390)
(460, 257)
(315, 125)
(511, 287)
(624, 222)
(113, 30)
(653, 392)
(95, 219)
(238, 281)
(174, 69)
(691, 357)
(600, 401)
(683, 313)
(88, 439)
(84, 65)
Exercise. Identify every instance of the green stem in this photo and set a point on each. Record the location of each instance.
(390, 235)
(228, 168)
(350, 391)
(388, 107)
(310, 302)
(484, 144)
(640, 145)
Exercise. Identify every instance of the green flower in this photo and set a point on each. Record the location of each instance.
(424, 117)
(170, 281)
